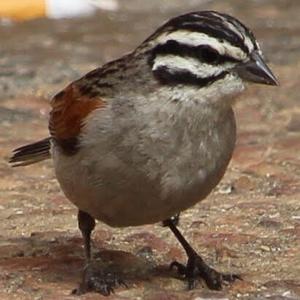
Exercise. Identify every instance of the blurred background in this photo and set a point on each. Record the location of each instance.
(41, 51)
(250, 224)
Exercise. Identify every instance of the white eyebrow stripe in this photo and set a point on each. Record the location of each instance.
(176, 63)
(249, 44)
(198, 38)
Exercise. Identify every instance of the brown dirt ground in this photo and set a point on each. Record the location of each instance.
(249, 225)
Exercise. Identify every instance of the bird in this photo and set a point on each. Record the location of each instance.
(146, 136)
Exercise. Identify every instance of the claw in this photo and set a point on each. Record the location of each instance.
(181, 269)
(122, 283)
(98, 281)
(196, 268)
(231, 277)
(191, 283)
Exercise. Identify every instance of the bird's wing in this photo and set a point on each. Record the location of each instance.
(70, 108)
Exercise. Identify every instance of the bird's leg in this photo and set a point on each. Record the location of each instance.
(86, 224)
(175, 220)
(94, 279)
(196, 267)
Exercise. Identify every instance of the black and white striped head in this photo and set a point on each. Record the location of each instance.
(205, 48)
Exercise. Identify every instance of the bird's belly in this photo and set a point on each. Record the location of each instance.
(124, 196)
(146, 178)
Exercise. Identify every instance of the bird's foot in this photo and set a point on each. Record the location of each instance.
(196, 268)
(100, 281)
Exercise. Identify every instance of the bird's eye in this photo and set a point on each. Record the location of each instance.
(208, 54)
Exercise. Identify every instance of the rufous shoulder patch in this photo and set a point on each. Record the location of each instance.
(69, 108)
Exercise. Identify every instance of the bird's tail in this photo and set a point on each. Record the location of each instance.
(31, 153)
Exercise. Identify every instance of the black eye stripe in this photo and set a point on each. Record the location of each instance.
(167, 76)
(173, 47)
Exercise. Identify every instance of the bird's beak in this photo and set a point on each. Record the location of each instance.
(257, 71)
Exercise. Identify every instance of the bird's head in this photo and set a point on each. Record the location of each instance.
(207, 50)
